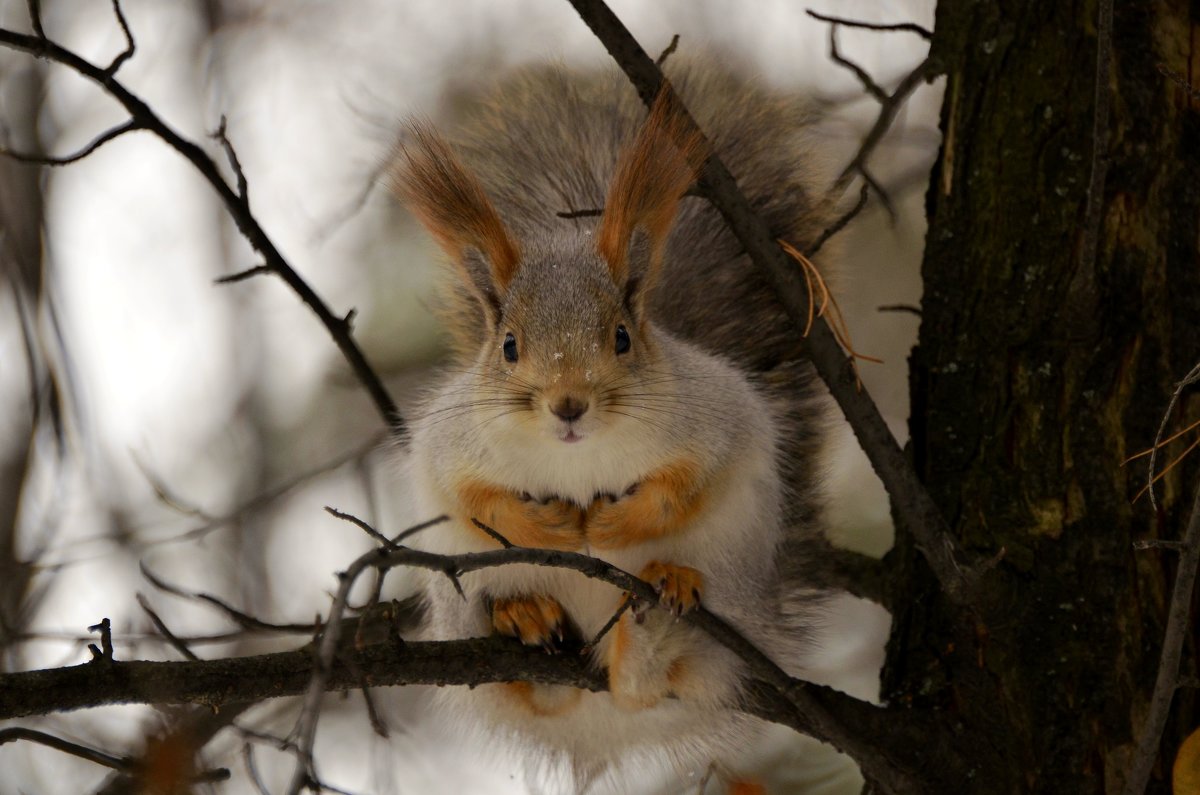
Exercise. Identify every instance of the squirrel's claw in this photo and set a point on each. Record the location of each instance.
(534, 620)
(678, 587)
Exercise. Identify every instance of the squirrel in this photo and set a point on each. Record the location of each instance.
(625, 385)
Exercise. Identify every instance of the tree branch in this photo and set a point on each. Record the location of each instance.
(907, 27)
(217, 683)
(235, 203)
(97, 142)
(914, 507)
(1179, 624)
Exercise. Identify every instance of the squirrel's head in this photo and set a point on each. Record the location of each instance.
(559, 334)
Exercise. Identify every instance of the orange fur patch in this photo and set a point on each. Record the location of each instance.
(746, 787)
(618, 651)
(535, 620)
(525, 523)
(543, 700)
(452, 204)
(679, 587)
(652, 175)
(663, 504)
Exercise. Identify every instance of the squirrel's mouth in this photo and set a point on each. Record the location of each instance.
(570, 436)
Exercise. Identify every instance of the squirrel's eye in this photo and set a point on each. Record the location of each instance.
(622, 339)
(510, 347)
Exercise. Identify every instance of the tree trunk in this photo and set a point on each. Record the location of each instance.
(1050, 342)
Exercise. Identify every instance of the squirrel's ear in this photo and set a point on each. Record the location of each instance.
(652, 175)
(451, 203)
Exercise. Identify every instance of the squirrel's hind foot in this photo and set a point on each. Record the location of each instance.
(679, 587)
(535, 620)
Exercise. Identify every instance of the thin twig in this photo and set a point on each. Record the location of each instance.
(130, 46)
(867, 81)
(252, 769)
(361, 525)
(907, 27)
(64, 160)
(888, 109)
(105, 652)
(626, 603)
(412, 531)
(914, 507)
(161, 626)
(1179, 622)
(221, 137)
(665, 54)
(41, 47)
(66, 746)
(909, 308)
(305, 731)
(841, 222)
(35, 18)
(242, 276)
(244, 620)
(1192, 377)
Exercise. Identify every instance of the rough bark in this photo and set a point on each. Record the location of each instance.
(1050, 341)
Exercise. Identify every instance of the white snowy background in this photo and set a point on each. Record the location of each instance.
(186, 401)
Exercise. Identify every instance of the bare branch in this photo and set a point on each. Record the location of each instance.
(665, 54)
(911, 309)
(888, 108)
(161, 626)
(241, 276)
(305, 731)
(97, 142)
(867, 81)
(252, 769)
(853, 572)
(222, 138)
(841, 222)
(67, 747)
(141, 113)
(105, 652)
(130, 47)
(914, 507)
(1179, 622)
(244, 620)
(35, 18)
(820, 721)
(907, 27)
(360, 524)
(1178, 618)
(1192, 377)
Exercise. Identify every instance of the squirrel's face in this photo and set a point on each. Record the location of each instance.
(565, 353)
(569, 349)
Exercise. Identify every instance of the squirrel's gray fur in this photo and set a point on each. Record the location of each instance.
(546, 141)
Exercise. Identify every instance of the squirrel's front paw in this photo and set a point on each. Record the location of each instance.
(561, 521)
(679, 587)
(534, 620)
(612, 520)
(551, 524)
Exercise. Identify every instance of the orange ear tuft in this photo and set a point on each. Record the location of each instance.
(652, 175)
(452, 204)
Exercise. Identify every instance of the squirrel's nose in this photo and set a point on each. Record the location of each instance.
(569, 408)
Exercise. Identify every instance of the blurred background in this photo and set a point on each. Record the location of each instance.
(151, 418)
